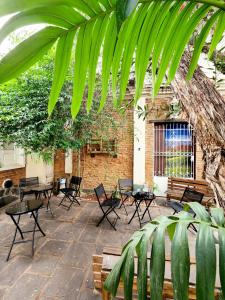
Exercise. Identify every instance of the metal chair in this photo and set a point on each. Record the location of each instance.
(72, 192)
(107, 205)
(126, 190)
(26, 182)
(189, 195)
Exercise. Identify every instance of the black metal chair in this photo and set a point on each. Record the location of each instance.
(189, 195)
(126, 190)
(107, 205)
(72, 192)
(26, 182)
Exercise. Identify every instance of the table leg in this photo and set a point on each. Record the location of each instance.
(147, 209)
(33, 234)
(14, 238)
(137, 204)
(35, 216)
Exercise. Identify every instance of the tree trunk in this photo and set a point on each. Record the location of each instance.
(205, 108)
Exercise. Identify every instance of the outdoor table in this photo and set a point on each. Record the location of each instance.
(139, 197)
(41, 191)
(15, 211)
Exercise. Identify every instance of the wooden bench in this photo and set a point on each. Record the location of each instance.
(103, 264)
(176, 187)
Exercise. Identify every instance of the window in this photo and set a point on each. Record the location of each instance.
(174, 150)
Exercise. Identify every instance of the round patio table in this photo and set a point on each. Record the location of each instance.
(140, 197)
(44, 192)
(15, 211)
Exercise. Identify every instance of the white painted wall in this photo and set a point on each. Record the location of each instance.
(69, 162)
(139, 147)
(35, 166)
(11, 157)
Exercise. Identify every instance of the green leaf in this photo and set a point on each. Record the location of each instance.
(96, 42)
(128, 273)
(164, 31)
(157, 265)
(200, 43)
(180, 262)
(142, 250)
(199, 210)
(134, 26)
(62, 60)
(205, 263)
(218, 33)
(222, 258)
(185, 33)
(61, 16)
(113, 279)
(218, 216)
(28, 53)
(108, 50)
(167, 54)
(82, 56)
(147, 41)
(123, 34)
(10, 7)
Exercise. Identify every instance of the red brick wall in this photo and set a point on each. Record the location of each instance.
(14, 174)
(59, 164)
(104, 168)
(107, 169)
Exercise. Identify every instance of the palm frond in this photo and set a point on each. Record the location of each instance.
(121, 32)
(153, 235)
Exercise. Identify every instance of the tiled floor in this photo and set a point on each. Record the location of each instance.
(61, 266)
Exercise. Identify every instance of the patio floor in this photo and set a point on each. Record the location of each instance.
(61, 266)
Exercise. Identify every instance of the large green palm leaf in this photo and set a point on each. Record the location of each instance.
(118, 32)
(153, 236)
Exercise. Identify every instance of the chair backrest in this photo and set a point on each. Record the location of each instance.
(28, 181)
(75, 182)
(125, 184)
(100, 193)
(191, 195)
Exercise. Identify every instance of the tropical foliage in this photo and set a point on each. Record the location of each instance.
(24, 119)
(153, 234)
(118, 31)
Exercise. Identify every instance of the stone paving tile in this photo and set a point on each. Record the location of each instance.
(54, 247)
(65, 282)
(61, 267)
(89, 294)
(43, 264)
(28, 286)
(90, 234)
(15, 268)
(68, 231)
(79, 255)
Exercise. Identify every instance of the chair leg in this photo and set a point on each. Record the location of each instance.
(116, 213)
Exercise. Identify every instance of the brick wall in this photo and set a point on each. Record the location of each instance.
(14, 174)
(104, 168)
(107, 169)
(59, 164)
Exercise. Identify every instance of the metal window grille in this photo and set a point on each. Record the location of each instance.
(174, 151)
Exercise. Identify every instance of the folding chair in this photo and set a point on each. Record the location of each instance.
(126, 190)
(72, 192)
(189, 195)
(107, 205)
(27, 182)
